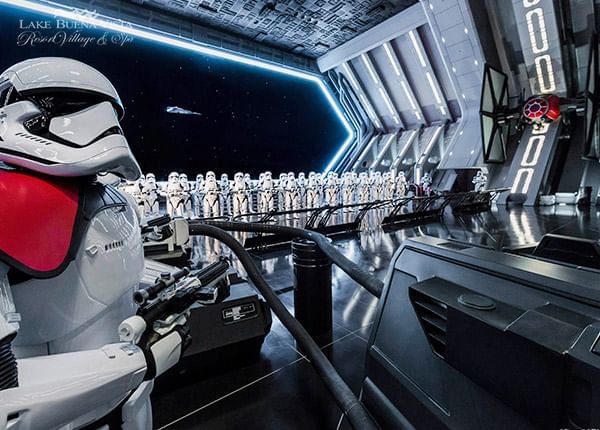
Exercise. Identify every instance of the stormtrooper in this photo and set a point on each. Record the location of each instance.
(301, 183)
(364, 188)
(250, 188)
(292, 194)
(150, 195)
(376, 187)
(426, 182)
(225, 186)
(185, 203)
(480, 181)
(198, 194)
(174, 194)
(266, 193)
(313, 191)
(281, 185)
(240, 195)
(389, 186)
(211, 203)
(65, 289)
(347, 189)
(331, 189)
(401, 185)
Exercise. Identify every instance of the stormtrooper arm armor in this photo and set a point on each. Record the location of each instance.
(71, 390)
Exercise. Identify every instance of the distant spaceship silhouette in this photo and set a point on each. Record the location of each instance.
(181, 111)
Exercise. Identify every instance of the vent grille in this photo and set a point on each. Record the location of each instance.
(433, 317)
(8, 367)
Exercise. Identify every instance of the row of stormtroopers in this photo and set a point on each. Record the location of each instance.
(214, 198)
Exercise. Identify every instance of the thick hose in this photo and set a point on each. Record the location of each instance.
(343, 395)
(365, 279)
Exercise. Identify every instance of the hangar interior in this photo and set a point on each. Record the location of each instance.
(441, 271)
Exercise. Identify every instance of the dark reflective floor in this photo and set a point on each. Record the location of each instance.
(280, 390)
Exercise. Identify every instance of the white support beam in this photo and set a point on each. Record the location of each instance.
(382, 91)
(365, 151)
(403, 81)
(389, 29)
(346, 70)
(405, 148)
(429, 74)
(386, 146)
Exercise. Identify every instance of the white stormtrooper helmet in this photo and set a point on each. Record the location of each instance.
(173, 178)
(224, 177)
(238, 177)
(311, 175)
(142, 179)
(60, 117)
(210, 176)
(261, 176)
(151, 178)
(183, 179)
(282, 176)
(268, 174)
(247, 178)
(199, 178)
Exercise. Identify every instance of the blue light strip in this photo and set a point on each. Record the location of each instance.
(120, 26)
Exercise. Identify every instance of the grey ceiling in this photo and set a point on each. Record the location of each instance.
(309, 28)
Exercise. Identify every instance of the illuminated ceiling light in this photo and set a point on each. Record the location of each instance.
(387, 101)
(434, 89)
(434, 138)
(364, 153)
(383, 151)
(408, 95)
(454, 69)
(350, 76)
(369, 67)
(413, 39)
(396, 120)
(466, 30)
(443, 39)
(463, 96)
(418, 115)
(388, 51)
(370, 111)
(476, 63)
(405, 148)
(146, 33)
(443, 110)
(431, 6)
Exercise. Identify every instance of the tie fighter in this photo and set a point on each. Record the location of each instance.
(539, 109)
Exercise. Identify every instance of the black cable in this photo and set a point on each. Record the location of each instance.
(358, 417)
(365, 279)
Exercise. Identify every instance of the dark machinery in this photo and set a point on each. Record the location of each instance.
(469, 338)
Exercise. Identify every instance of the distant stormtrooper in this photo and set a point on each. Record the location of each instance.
(302, 183)
(389, 187)
(480, 181)
(313, 191)
(198, 195)
(426, 182)
(376, 187)
(401, 185)
(348, 187)
(173, 193)
(225, 187)
(331, 189)
(281, 185)
(249, 190)
(292, 194)
(150, 196)
(211, 204)
(185, 204)
(239, 194)
(364, 188)
(266, 194)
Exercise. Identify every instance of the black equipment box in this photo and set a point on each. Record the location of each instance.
(230, 331)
